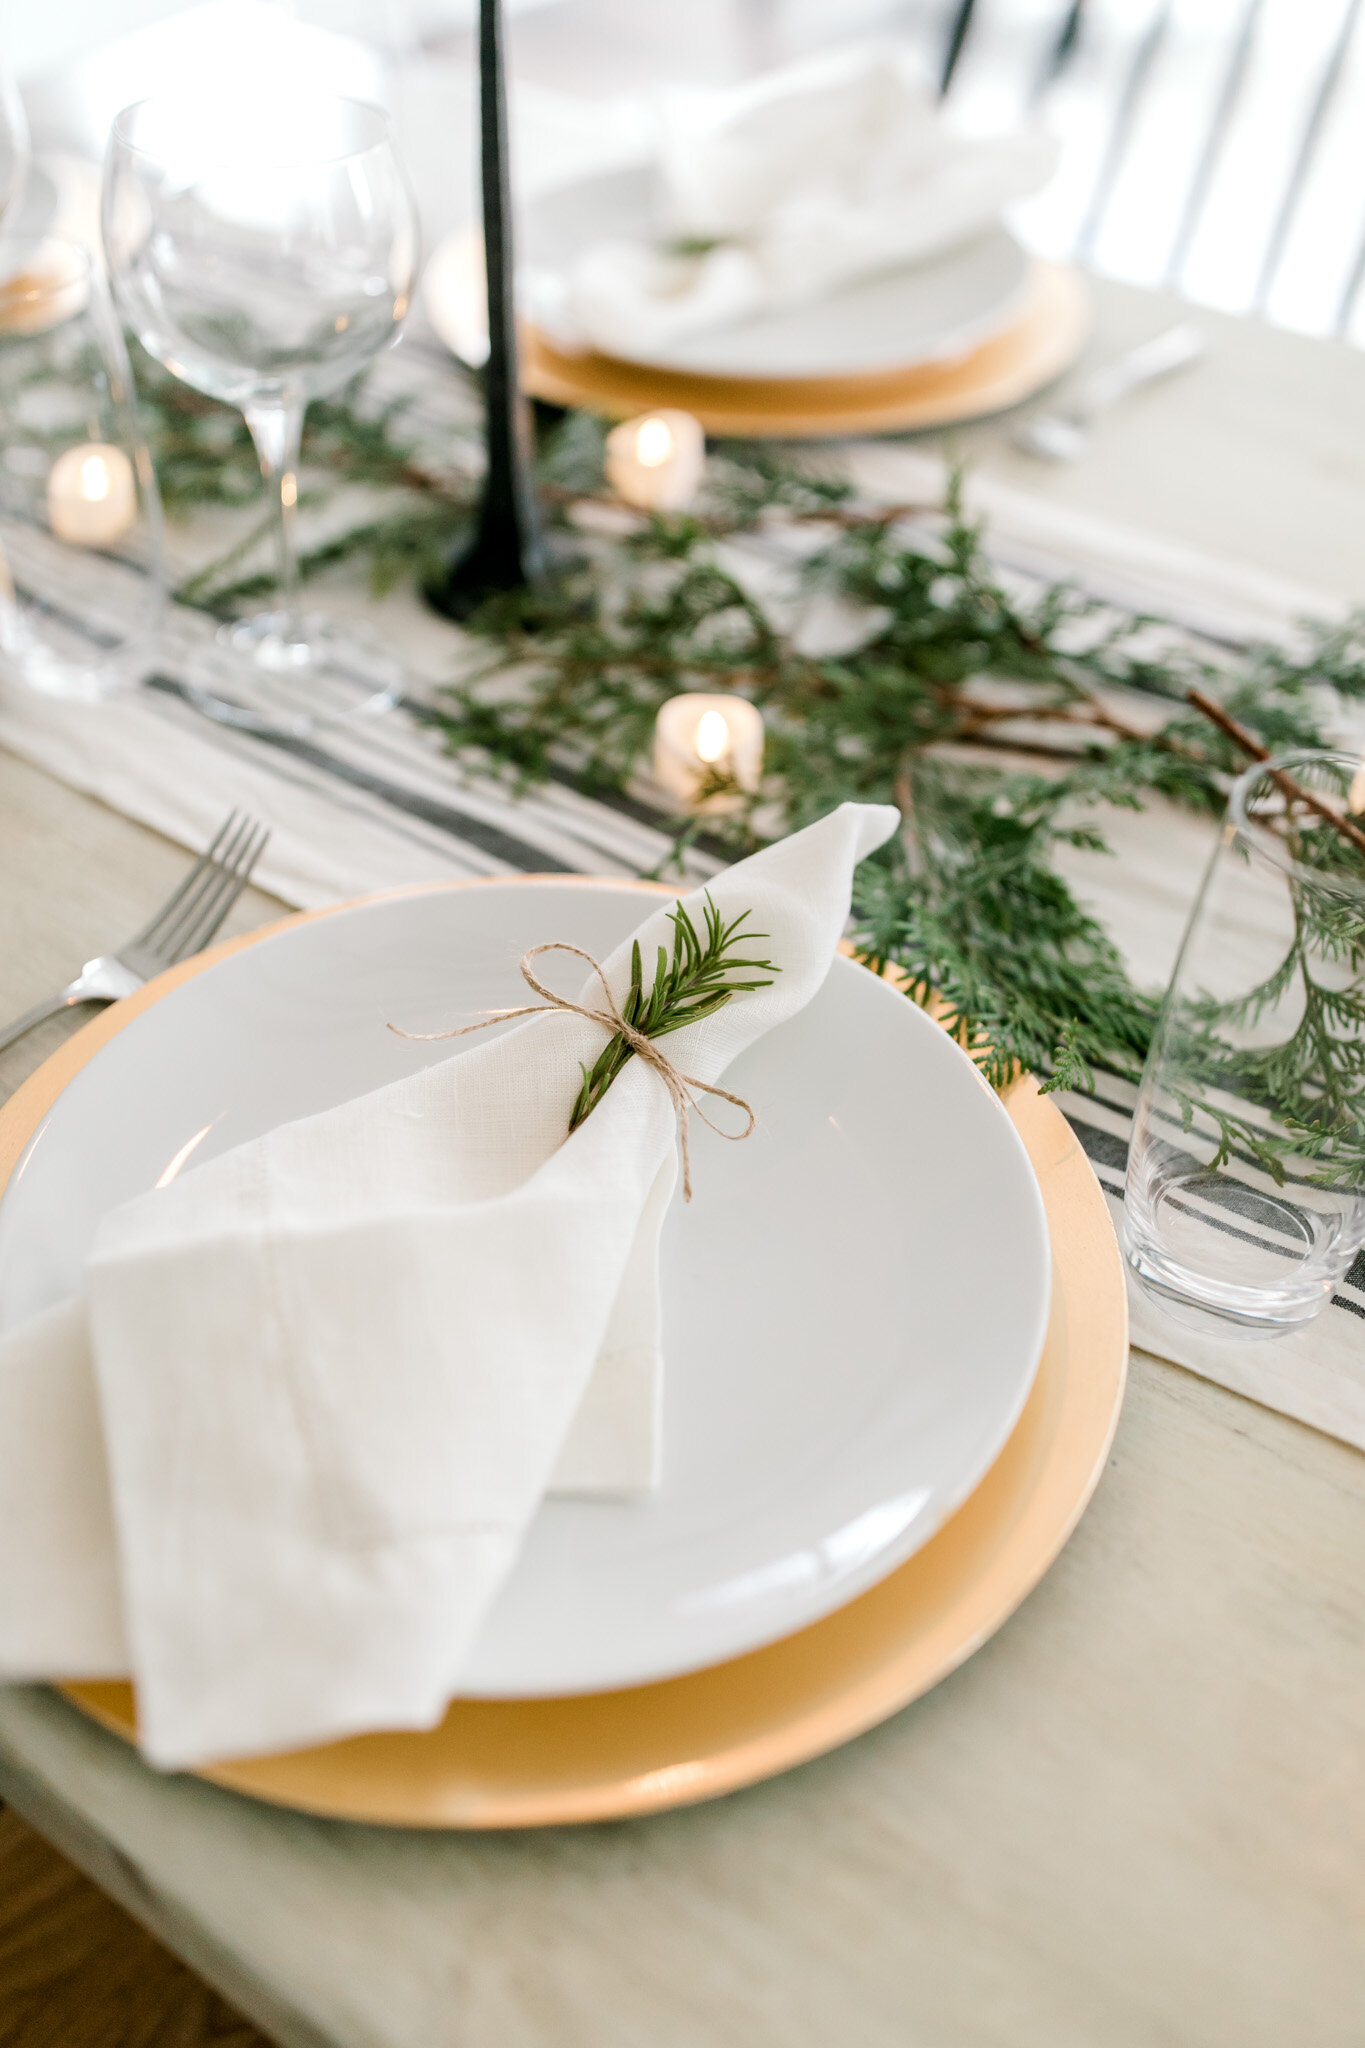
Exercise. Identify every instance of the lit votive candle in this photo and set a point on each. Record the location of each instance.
(698, 737)
(92, 495)
(54, 287)
(657, 461)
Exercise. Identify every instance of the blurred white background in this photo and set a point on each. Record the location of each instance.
(1208, 145)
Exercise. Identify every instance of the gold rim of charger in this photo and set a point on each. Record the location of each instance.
(1011, 366)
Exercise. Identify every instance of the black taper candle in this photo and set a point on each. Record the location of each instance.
(507, 550)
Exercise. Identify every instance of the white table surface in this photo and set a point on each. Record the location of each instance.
(1137, 1817)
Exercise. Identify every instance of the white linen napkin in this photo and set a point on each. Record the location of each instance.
(779, 192)
(335, 1367)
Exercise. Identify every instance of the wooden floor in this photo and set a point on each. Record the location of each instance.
(76, 1972)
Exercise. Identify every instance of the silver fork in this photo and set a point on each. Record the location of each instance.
(185, 923)
(1065, 436)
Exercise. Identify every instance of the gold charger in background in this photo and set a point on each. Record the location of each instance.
(1045, 340)
(533, 1763)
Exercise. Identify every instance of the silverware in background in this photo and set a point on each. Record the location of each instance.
(1064, 436)
(185, 923)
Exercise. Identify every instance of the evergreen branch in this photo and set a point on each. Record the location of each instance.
(983, 713)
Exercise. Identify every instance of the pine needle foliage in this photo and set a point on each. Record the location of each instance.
(988, 716)
(985, 711)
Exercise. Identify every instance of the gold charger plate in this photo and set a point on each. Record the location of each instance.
(535, 1763)
(1010, 367)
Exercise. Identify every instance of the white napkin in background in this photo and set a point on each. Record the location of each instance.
(335, 1367)
(803, 181)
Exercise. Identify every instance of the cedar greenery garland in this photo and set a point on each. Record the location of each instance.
(982, 713)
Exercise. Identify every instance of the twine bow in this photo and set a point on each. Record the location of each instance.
(682, 1088)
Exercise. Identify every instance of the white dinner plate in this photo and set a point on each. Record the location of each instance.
(855, 1302)
(925, 312)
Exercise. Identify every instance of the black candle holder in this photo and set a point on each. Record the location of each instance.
(507, 549)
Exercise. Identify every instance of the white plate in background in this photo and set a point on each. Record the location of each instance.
(926, 312)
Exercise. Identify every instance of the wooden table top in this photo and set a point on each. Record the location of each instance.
(1137, 1816)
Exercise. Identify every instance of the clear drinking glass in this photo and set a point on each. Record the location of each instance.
(1245, 1199)
(264, 252)
(80, 520)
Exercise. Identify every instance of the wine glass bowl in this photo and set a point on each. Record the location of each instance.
(14, 150)
(265, 252)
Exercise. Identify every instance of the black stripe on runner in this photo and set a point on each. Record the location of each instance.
(610, 799)
(1100, 1146)
(489, 839)
(1103, 1149)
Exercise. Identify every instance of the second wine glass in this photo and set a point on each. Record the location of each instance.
(264, 253)
(13, 142)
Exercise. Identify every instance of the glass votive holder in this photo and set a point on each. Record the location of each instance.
(81, 554)
(1245, 1197)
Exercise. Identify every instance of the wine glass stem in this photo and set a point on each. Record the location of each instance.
(276, 431)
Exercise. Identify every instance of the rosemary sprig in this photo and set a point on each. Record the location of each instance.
(695, 983)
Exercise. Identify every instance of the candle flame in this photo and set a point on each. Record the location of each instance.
(94, 479)
(653, 443)
(713, 736)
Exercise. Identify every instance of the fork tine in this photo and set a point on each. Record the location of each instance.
(234, 881)
(150, 931)
(169, 942)
(230, 883)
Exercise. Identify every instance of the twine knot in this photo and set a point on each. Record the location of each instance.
(683, 1089)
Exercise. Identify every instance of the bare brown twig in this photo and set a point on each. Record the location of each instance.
(1286, 784)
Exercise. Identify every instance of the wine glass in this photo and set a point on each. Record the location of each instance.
(13, 142)
(264, 251)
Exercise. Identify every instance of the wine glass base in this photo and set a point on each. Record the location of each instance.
(276, 673)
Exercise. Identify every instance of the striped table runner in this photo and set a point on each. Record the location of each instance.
(380, 804)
